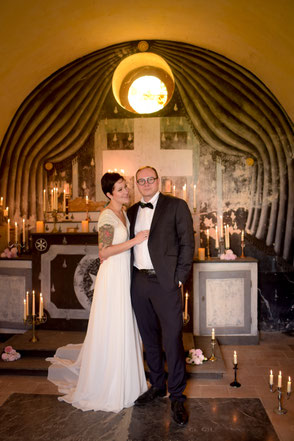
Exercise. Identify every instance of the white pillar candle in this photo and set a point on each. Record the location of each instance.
(280, 379)
(27, 302)
(235, 357)
(289, 385)
(186, 306)
(8, 231)
(24, 309)
(194, 197)
(33, 303)
(271, 378)
(216, 238)
(213, 334)
(40, 227)
(16, 233)
(23, 231)
(85, 226)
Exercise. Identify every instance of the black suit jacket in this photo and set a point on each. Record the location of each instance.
(171, 240)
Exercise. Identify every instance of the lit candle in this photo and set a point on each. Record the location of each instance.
(221, 227)
(56, 198)
(227, 237)
(212, 334)
(16, 233)
(87, 200)
(280, 379)
(271, 378)
(33, 303)
(174, 190)
(41, 306)
(40, 227)
(194, 197)
(207, 236)
(52, 199)
(24, 309)
(6, 211)
(1, 201)
(8, 231)
(289, 385)
(186, 306)
(27, 302)
(184, 192)
(64, 200)
(44, 201)
(235, 357)
(85, 226)
(216, 238)
(23, 231)
(242, 236)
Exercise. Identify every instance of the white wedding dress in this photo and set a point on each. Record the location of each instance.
(106, 372)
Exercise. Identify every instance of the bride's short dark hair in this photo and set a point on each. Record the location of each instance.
(108, 181)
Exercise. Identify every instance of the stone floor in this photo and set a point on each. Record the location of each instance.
(275, 351)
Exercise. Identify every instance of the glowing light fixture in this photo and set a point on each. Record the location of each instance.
(147, 94)
(143, 83)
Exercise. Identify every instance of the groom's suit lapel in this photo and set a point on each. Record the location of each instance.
(159, 209)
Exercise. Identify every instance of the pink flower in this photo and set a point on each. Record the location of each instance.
(3, 254)
(9, 349)
(198, 352)
(5, 356)
(13, 251)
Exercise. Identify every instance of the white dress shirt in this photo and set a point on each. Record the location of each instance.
(143, 222)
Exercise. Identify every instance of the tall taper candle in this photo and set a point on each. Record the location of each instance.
(8, 231)
(216, 238)
(289, 385)
(235, 357)
(221, 227)
(174, 190)
(1, 201)
(16, 233)
(33, 304)
(271, 378)
(24, 309)
(184, 192)
(213, 334)
(44, 201)
(186, 306)
(64, 197)
(242, 236)
(27, 302)
(207, 236)
(280, 379)
(23, 231)
(41, 306)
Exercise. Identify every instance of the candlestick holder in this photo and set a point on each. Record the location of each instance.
(186, 319)
(34, 320)
(280, 410)
(212, 357)
(235, 383)
(242, 246)
(208, 251)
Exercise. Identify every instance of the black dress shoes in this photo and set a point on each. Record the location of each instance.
(150, 395)
(179, 412)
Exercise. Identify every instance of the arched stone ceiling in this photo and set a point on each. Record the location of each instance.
(38, 38)
(230, 109)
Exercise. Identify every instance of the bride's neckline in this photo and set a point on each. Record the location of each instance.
(119, 218)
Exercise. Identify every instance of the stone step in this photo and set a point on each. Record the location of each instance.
(33, 355)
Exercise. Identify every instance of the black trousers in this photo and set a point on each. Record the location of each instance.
(160, 320)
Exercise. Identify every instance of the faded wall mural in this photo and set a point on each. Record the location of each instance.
(223, 143)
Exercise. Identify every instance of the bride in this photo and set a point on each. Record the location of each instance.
(106, 372)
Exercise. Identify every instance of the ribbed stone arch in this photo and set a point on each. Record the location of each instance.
(229, 108)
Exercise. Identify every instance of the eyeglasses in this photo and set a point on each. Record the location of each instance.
(150, 180)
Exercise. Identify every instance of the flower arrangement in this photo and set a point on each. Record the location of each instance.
(195, 356)
(229, 255)
(7, 253)
(10, 354)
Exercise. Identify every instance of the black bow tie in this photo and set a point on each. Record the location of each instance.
(148, 205)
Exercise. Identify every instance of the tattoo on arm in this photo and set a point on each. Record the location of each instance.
(106, 233)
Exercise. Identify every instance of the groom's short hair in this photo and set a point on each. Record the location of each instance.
(143, 168)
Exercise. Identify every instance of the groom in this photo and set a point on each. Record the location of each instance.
(159, 267)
